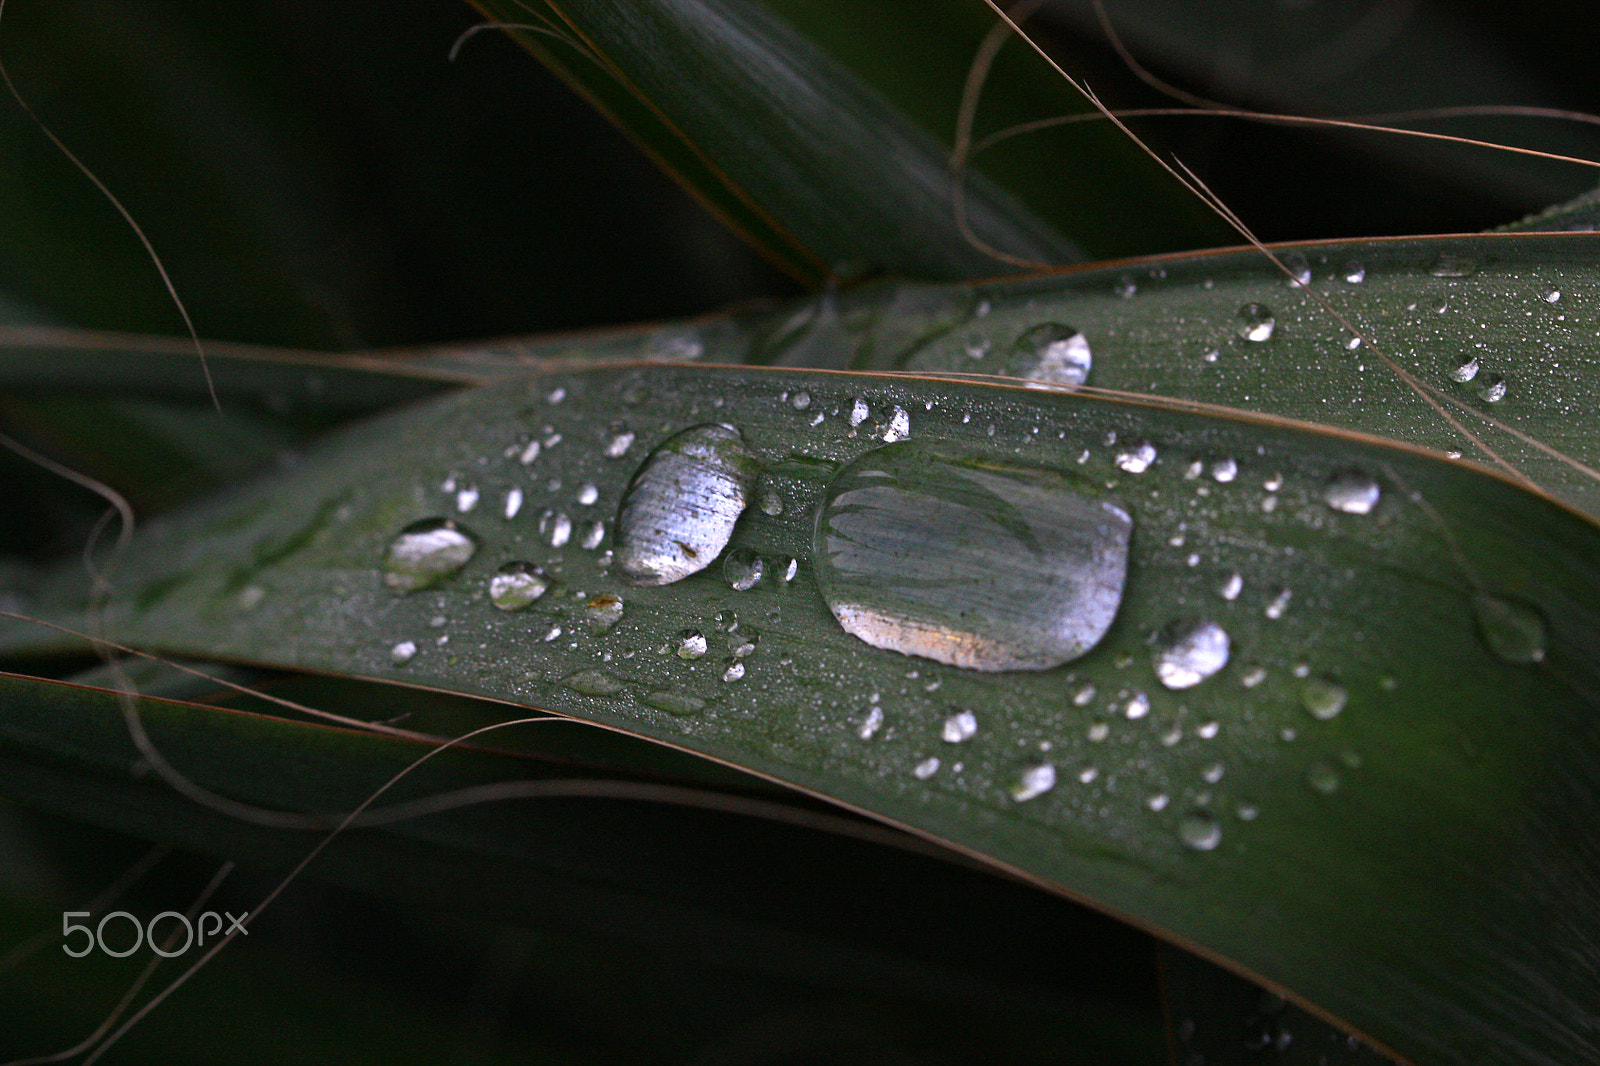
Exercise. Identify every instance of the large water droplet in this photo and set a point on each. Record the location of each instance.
(1199, 830)
(680, 508)
(1256, 322)
(1352, 492)
(969, 561)
(1189, 651)
(425, 553)
(517, 584)
(1514, 630)
(1053, 354)
(743, 569)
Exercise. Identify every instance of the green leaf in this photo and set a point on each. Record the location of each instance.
(1355, 807)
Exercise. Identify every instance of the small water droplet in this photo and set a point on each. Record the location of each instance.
(403, 652)
(513, 503)
(1083, 694)
(517, 584)
(1136, 707)
(604, 611)
(677, 703)
(1200, 831)
(1099, 731)
(1136, 457)
(530, 452)
(743, 569)
(681, 506)
(552, 634)
(1493, 389)
(1232, 585)
(1513, 629)
(593, 683)
(970, 561)
(1323, 698)
(1253, 676)
(1351, 492)
(1033, 781)
(1552, 295)
(1189, 651)
(858, 411)
(250, 597)
(1157, 802)
(1088, 774)
(926, 768)
(1256, 322)
(1323, 777)
(594, 534)
(742, 643)
(1299, 270)
(1453, 266)
(871, 723)
(1053, 355)
(425, 553)
(1224, 470)
(1213, 773)
(977, 346)
(960, 726)
(560, 530)
(691, 644)
(1125, 287)
(734, 672)
(771, 502)
(800, 400)
(1278, 604)
(790, 569)
(1208, 729)
(1354, 272)
(1466, 370)
(618, 441)
(587, 494)
(466, 498)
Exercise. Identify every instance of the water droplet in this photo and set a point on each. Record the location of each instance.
(734, 672)
(250, 597)
(1189, 651)
(1278, 604)
(1208, 729)
(1299, 270)
(926, 768)
(552, 634)
(771, 502)
(1213, 773)
(1256, 322)
(1084, 693)
(1137, 706)
(1552, 295)
(403, 652)
(962, 725)
(1125, 287)
(1253, 677)
(619, 440)
(1232, 585)
(594, 534)
(1088, 774)
(1053, 354)
(1466, 370)
(1200, 831)
(1224, 470)
(871, 723)
(673, 702)
(742, 644)
(1033, 781)
(513, 503)
(1157, 802)
(559, 529)
(790, 569)
(517, 584)
(1354, 272)
(425, 553)
(1493, 389)
(1136, 457)
(972, 562)
(530, 452)
(1453, 266)
(858, 411)
(587, 494)
(681, 506)
(691, 644)
(1322, 698)
(593, 683)
(977, 346)
(743, 569)
(800, 400)
(466, 498)
(1323, 778)
(1513, 630)
(604, 611)
(1352, 492)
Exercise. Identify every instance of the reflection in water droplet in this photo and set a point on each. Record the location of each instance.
(742, 643)
(1032, 782)
(587, 494)
(1200, 831)
(403, 652)
(734, 672)
(1189, 651)
(1453, 266)
(681, 506)
(1513, 630)
(1493, 389)
(899, 427)
(673, 702)
(604, 611)
(743, 569)
(1137, 706)
(1323, 699)
(618, 441)
(871, 723)
(593, 683)
(1232, 585)
(1466, 370)
(425, 553)
(962, 725)
(1136, 457)
(517, 584)
(1256, 322)
(972, 562)
(1224, 470)
(513, 503)
(926, 768)
(1053, 354)
(1352, 492)
(1354, 272)
(691, 644)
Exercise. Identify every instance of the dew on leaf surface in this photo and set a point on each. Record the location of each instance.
(1351, 492)
(1513, 630)
(1256, 323)
(517, 584)
(1190, 650)
(425, 553)
(1053, 354)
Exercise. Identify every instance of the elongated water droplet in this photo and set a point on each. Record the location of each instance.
(517, 584)
(1323, 699)
(677, 703)
(1232, 585)
(1453, 266)
(1513, 630)
(969, 561)
(1354, 272)
(618, 441)
(593, 683)
(425, 553)
(1256, 322)
(926, 768)
(1053, 354)
(1033, 781)
(1200, 831)
(743, 569)
(680, 508)
(960, 726)
(1352, 492)
(1189, 651)
(871, 723)
(513, 503)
